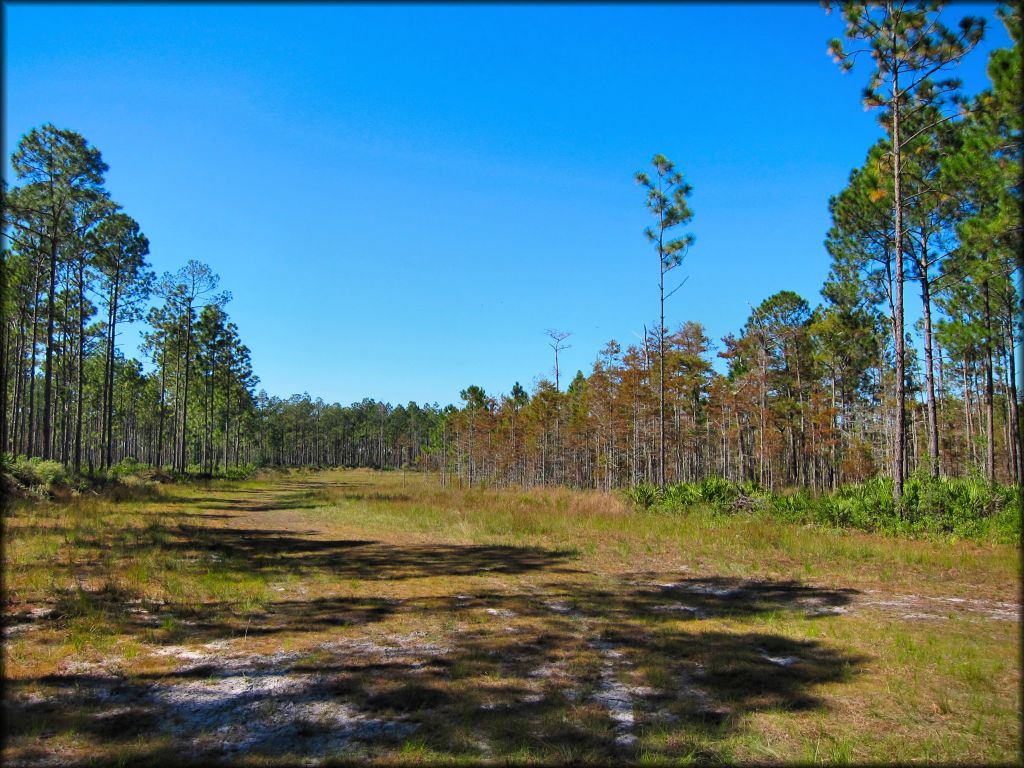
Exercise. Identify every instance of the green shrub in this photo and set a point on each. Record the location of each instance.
(715, 492)
(680, 496)
(37, 472)
(644, 494)
(719, 492)
(127, 466)
(960, 507)
(240, 473)
(966, 508)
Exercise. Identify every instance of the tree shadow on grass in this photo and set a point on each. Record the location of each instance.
(726, 597)
(262, 550)
(236, 502)
(183, 515)
(376, 496)
(130, 615)
(683, 692)
(547, 676)
(228, 559)
(284, 552)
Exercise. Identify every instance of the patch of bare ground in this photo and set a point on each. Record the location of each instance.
(940, 607)
(222, 703)
(722, 596)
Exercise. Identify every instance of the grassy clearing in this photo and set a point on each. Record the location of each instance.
(359, 616)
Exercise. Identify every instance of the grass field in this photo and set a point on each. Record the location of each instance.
(354, 616)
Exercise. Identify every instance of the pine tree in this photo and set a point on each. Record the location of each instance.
(667, 201)
(62, 178)
(908, 45)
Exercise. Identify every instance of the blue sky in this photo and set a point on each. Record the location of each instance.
(402, 199)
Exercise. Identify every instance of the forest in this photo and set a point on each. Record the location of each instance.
(813, 393)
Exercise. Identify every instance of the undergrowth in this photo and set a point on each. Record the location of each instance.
(45, 479)
(965, 508)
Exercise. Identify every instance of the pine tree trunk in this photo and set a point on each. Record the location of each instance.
(176, 420)
(108, 437)
(969, 422)
(1016, 439)
(1008, 441)
(65, 447)
(661, 368)
(929, 367)
(48, 377)
(5, 367)
(227, 422)
(990, 453)
(19, 385)
(184, 400)
(81, 366)
(30, 442)
(163, 390)
(899, 458)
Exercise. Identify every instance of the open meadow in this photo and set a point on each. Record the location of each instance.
(360, 616)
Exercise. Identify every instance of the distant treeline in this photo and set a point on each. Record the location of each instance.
(812, 395)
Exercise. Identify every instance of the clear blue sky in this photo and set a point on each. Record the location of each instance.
(402, 199)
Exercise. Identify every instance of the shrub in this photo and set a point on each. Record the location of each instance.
(127, 466)
(242, 472)
(644, 494)
(716, 492)
(968, 507)
(960, 507)
(719, 492)
(37, 472)
(680, 495)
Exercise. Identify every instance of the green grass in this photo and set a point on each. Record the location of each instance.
(519, 590)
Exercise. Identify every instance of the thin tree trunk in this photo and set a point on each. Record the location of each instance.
(969, 424)
(5, 367)
(176, 421)
(227, 420)
(163, 389)
(31, 432)
(901, 404)
(66, 356)
(1010, 443)
(184, 400)
(1016, 439)
(48, 377)
(19, 384)
(990, 453)
(661, 367)
(79, 409)
(934, 459)
(108, 437)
